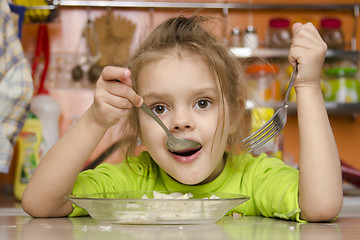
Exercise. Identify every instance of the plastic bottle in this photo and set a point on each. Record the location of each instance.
(275, 146)
(27, 153)
(48, 111)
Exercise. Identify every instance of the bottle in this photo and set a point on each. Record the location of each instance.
(275, 146)
(279, 35)
(27, 153)
(251, 39)
(330, 30)
(48, 111)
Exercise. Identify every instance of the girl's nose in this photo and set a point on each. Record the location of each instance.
(181, 121)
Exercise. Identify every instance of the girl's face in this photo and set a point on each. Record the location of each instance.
(183, 94)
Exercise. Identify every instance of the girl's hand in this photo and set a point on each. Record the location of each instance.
(113, 96)
(308, 50)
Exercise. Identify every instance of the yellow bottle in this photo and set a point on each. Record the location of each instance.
(274, 147)
(27, 153)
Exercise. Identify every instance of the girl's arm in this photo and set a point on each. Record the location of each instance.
(320, 183)
(55, 176)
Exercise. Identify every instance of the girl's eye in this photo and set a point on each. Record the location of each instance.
(159, 109)
(203, 103)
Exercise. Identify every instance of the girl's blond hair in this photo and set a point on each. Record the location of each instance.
(188, 35)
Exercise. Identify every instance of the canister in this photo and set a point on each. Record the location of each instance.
(341, 85)
(263, 83)
(279, 35)
(331, 32)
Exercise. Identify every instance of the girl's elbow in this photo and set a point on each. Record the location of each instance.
(36, 207)
(325, 212)
(30, 206)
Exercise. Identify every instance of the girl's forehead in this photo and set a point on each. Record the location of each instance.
(177, 65)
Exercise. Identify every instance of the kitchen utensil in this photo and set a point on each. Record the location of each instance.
(274, 125)
(94, 73)
(42, 47)
(174, 144)
(114, 36)
(77, 73)
(146, 208)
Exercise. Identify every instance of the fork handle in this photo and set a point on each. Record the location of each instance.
(291, 83)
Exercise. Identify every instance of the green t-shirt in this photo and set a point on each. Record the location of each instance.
(271, 184)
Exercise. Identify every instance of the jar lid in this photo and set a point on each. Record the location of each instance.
(250, 29)
(279, 23)
(341, 71)
(330, 23)
(235, 31)
(263, 68)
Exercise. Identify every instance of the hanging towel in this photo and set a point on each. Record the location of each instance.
(16, 86)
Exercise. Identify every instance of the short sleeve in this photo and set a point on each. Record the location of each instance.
(276, 189)
(135, 174)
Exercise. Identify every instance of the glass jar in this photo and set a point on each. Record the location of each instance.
(263, 83)
(279, 35)
(330, 30)
(341, 85)
(251, 39)
(236, 38)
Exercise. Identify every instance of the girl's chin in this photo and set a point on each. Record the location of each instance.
(191, 179)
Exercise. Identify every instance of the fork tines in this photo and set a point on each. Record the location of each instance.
(262, 135)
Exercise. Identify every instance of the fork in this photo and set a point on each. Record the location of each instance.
(274, 125)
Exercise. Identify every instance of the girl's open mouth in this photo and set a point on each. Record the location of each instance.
(187, 155)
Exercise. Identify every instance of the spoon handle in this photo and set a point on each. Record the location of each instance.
(149, 112)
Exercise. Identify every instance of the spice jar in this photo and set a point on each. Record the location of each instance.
(236, 38)
(341, 85)
(251, 39)
(279, 35)
(330, 30)
(263, 84)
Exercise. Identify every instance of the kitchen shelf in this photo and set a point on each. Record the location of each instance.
(283, 53)
(206, 5)
(333, 108)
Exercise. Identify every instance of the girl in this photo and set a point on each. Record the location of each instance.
(196, 87)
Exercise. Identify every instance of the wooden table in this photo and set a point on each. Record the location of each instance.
(16, 224)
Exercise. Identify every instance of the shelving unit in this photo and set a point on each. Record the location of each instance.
(283, 53)
(339, 109)
(333, 108)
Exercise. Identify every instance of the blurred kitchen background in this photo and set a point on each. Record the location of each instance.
(84, 36)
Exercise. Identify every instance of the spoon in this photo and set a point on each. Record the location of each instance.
(173, 143)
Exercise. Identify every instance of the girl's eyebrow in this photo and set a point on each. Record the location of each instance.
(154, 96)
(209, 90)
